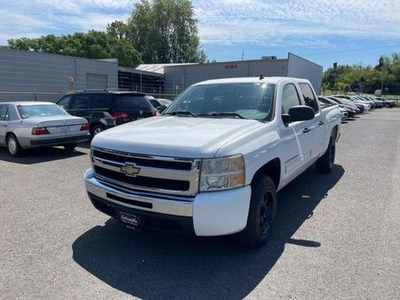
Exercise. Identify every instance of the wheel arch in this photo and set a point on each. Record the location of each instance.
(271, 169)
(335, 132)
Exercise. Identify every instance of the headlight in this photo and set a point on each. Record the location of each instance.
(222, 173)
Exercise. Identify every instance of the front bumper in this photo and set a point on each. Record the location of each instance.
(207, 214)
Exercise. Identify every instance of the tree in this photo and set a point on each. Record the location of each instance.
(165, 31)
(117, 29)
(385, 75)
(94, 44)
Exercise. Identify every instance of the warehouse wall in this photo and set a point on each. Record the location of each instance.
(26, 75)
(177, 78)
(302, 68)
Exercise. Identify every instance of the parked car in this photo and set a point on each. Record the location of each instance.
(343, 103)
(106, 109)
(325, 102)
(25, 125)
(351, 112)
(386, 102)
(212, 163)
(378, 103)
(365, 100)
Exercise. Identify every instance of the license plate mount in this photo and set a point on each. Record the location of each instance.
(130, 219)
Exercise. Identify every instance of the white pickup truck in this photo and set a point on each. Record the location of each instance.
(212, 163)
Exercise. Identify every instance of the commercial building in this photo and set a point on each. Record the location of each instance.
(26, 75)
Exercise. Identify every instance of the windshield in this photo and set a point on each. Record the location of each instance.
(228, 100)
(40, 110)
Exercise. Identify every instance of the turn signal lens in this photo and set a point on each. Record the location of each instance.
(39, 131)
(85, 127)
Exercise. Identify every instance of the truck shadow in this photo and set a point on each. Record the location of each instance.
(159, 265)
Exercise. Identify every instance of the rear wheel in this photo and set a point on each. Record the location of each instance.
(262, 213)
(97, 129)
(325, 163)
(70, 147)
(13, 146)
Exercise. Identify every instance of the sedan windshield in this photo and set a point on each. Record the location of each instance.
(226, 100)
(40, 110)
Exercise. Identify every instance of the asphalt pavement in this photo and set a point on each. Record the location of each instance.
(337, 236)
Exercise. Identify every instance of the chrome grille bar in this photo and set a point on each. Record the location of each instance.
(154, 174)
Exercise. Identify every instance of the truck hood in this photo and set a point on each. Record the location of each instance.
(184, 137)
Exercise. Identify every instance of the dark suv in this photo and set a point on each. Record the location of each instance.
(105, 109)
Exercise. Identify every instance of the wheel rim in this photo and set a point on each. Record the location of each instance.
(97, 130)
(12, 145)
(266, 212)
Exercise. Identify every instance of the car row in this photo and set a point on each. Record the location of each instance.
(75, 117)
(352, 106)
(79, 116)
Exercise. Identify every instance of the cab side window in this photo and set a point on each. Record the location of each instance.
(290, 98)
(309, 98)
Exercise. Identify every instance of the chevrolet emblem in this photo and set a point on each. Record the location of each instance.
(130, 170)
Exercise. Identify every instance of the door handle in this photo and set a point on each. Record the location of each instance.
(305, 130)
(321, 123)
(4, 125)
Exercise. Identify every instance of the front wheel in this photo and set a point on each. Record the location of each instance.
(262, 213)
(13, 146)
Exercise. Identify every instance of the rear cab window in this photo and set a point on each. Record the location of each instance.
(309, 97)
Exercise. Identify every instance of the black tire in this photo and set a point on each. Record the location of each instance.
(13, 146)
(70, 147)
(262, 213)
(96, 129)
(326, 162)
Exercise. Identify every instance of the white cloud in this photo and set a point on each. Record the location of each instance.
(36, 18)
(256, 21)
(223, 22)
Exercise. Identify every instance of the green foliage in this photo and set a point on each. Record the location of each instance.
(94, 44)
(165, 31)
(385, 75)
(117, 29)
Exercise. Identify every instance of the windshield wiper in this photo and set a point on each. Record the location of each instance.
(224, 114)
(182, 113)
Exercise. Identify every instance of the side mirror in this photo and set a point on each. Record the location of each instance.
(298, 113)
(161, 108)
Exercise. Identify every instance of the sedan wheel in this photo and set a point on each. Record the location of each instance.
(13, 146)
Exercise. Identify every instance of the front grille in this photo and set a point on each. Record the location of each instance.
(164, 175)
(157, 183)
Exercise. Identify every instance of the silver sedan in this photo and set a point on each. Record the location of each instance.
(25, 125)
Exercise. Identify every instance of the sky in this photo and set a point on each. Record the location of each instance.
(347, 32)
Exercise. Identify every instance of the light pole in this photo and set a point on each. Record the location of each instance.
(335, 76)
